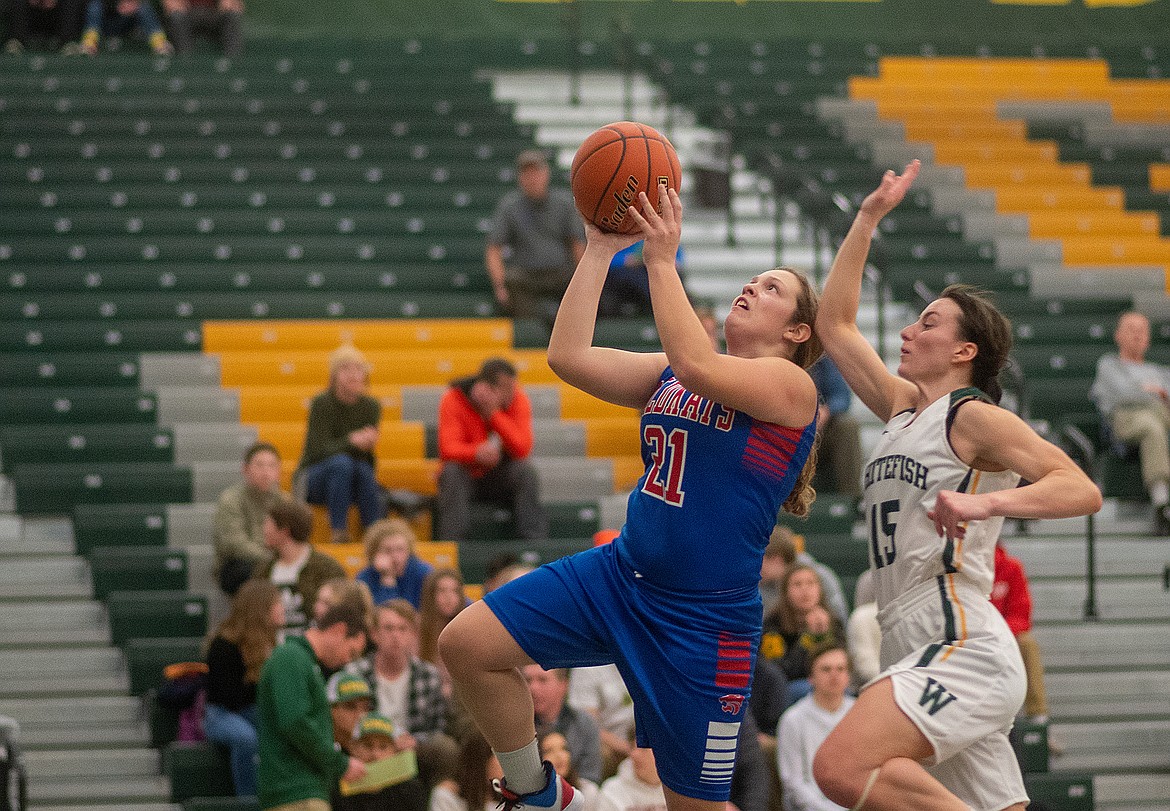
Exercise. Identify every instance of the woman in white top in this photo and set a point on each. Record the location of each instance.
(930, 732)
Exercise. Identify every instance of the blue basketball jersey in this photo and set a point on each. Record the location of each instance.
(700, 516)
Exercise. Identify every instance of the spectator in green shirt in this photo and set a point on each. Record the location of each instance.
(337, 464)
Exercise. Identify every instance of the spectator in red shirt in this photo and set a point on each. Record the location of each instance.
(485, 438)
(1010, 595)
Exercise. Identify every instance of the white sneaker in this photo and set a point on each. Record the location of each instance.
(557, 795)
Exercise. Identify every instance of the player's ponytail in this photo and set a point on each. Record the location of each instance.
(801, 499)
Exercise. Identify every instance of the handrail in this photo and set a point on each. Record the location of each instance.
(1084, 448)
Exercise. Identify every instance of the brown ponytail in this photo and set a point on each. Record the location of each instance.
(800, 500)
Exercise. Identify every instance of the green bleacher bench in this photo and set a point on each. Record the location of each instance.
(138, 568)
(109, 336)
(1061, 791)
(1030, 743)
(85, 443)
(197, 769)
(146, 657)
(1058, 360)
(566, 520)
(76, 404)
(58, 488)
(107, 525)
(55, 369)
(474, 557)
(156, 614)
(1050, 398)
(1066, 329)
(221, 804)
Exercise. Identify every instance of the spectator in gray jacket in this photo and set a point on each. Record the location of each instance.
(1133, 396)
(238, 534)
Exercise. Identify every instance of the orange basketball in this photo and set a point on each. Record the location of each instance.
(613, 165)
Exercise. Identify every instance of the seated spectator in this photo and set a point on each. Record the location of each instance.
(863, 634)
(555, 749)
(768, 702)
(236, 652)
(550, 693)
(470, 788)
(781, 553)
(238, 534)
(503, 568)
(800, 622)
(443, 597)
(56, 20)
(221, 21)
(296, 568)
(839, 432)
(394, 570)
(751, 779)
(339, 590)
(337, 464)
(406, 689)
(636, 786)
(535, 242)
(601, 692)
(485, 439)
(115, 18)
(1011, 596)
(373, 740)
(1132, 395)
(806, 724)
(626, 293)
(350, 698)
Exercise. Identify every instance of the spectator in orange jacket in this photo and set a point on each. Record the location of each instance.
(485, 438)
(1011, 596)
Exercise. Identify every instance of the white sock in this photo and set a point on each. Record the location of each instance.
(1160, 493)
(523, 769)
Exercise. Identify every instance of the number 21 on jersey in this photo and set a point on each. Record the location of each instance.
(882, 523)
(668, 458)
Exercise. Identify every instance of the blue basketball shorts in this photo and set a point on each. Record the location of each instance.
(687, 657)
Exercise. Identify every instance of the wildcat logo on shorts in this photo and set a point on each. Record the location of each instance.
(731, 703)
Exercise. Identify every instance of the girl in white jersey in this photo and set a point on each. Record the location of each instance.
(930, 732)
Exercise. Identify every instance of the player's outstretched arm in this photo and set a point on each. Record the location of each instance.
(988, 437)
(768, 388)
(614, 375)
(860, 364)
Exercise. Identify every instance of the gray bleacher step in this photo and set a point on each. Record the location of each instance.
(121, 792)
(53, 622)
(157, 369)
(67, 764)
(1118, 746)
(49, 576)
(76, 670)
(35, 536)
(556, 437)
(212, 442)
(1116, 599)
(1108, 695)
(1114, 792)
(1105, 646)
(421, 403)
(129, 736)
(1065, 557)
(190, 524)
(200, 560)
(121, 807)
(183, 404)
(209, 479)
(569, 478)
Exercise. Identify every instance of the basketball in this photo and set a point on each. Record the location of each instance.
(615, 164)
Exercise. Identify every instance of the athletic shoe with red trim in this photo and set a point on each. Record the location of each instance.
(557, 795)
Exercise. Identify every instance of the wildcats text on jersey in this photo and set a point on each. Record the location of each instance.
(897, 466)
(672, 400)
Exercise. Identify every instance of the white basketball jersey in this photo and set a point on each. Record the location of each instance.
(912, 462)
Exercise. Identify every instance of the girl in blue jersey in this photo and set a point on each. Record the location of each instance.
(930, 731)
(674, 600)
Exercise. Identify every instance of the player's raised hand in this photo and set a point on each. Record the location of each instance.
(891, 191)
(662, 231)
